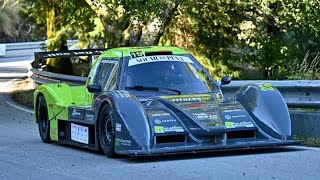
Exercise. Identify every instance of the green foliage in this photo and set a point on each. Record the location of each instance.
(281, 33)
(73, 19)
(307, 140)
(308, 69)
(208, 29)
(9, 18)
(247, 39)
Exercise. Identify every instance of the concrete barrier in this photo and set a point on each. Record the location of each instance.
(305, 123)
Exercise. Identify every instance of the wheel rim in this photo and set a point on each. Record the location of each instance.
(108, 130)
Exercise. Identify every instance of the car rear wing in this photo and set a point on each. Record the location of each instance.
(40, 57)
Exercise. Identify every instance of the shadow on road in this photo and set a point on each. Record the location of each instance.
(211, 155)
(187, 156)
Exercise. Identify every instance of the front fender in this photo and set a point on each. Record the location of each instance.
(132, 129)
(268, 109)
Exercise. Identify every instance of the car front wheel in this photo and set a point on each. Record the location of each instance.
(106, 131)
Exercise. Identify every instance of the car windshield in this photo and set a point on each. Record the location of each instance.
(171, 74)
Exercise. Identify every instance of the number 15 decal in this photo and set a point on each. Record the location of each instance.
(136, 54)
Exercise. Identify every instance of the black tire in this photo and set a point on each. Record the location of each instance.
(107, 131)
(43, 120)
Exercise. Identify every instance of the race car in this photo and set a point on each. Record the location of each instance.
(156, 100)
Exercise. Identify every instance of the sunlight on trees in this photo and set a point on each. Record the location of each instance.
(260, 39)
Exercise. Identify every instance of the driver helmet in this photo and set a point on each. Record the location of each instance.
(165, 68)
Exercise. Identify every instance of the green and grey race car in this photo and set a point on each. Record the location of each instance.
(158, 100)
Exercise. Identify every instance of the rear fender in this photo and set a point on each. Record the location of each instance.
(55, 94)
(268, 109)
(58, 98)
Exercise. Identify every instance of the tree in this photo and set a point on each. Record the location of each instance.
(8, 19)
(131, 23)
(272, 38)
(208, 29)
(59, 21)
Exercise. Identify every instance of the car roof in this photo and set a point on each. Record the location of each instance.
(125, 51)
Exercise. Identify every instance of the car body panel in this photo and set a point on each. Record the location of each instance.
(59, 98)
(156, 122)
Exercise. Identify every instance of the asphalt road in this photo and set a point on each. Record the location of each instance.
(24, 156)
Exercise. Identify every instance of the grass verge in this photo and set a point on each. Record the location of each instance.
(308, 141)
(22, 92)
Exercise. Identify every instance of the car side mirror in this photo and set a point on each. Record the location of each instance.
(94, 88)
(225, 80)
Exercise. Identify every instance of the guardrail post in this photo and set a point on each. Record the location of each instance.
(2, 49)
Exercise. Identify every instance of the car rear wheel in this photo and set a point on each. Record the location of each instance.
(106, 131)
(43, 120)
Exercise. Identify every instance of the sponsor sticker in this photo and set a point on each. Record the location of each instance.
(122, 94)
(228, 117)
(76, 113)
(157, 121)
(250, 142)
(266, 87)
(191, 99)
(150, 59)
(206, 115)
(232, 110)
(122, 142)
(162, 129)
(80, 133)
(118, 127)
(208, 118)
(160, 114)
(238, 124)
(89, 116)
(194, 106)
(160, 121)
(108, 61)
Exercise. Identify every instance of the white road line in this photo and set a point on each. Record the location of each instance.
(306, 148)
(11, 104)
(18, 107)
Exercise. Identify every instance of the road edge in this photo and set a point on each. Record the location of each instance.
(8, 98)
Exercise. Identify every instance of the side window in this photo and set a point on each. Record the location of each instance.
(113, 80)
(104, 72)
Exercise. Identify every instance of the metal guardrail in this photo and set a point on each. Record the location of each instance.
(305, 123)
(43, 77)
(297, 93)
(26, 48)
(2, 50)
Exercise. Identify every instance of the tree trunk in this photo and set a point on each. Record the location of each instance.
(56, 65)
(51, 31)
(114, 21)
(121, 32)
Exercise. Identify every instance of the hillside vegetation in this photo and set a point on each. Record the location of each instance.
(247, 39)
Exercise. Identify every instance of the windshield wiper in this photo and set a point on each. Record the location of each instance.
(152, 88)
